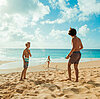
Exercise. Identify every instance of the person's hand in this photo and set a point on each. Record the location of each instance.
(67, 57)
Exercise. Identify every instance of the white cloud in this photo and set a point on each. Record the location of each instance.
(14, 35)
(19, 20)
(83, 17)
(15, 15)
(57, 33)
(83, 30)
(18, 6)
(22, 12)
(80, 11)
(53, 3)
(25, 7)
(40, 12)
(88, 7)
(38, 36)
(57, 39)
(32, 9)
(3, 2)
(66, 13)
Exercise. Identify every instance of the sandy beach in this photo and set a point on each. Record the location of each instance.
(52, 84)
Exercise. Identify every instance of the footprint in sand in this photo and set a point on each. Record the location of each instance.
(75, 90)
(20, 88)
(93, 83)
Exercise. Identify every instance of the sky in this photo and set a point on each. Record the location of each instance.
(45, 23)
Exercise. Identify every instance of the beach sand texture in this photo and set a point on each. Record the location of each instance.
(52, 84)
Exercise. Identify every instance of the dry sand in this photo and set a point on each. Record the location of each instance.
(52, 84)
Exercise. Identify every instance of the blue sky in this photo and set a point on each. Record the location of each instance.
(45, 23)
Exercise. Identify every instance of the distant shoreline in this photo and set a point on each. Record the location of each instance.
(89, 64)
(19, 63)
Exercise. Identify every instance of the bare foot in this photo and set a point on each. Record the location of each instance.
(21, 80)
(68, 79)
(25, 78)
(76, 81)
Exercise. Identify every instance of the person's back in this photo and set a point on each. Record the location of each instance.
(77, 43)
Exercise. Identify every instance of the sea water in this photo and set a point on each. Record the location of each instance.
(39, 56)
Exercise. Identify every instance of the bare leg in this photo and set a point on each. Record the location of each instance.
(76, 71)
(69, 71)
(25, 73)
(48, 64)
(22, 74)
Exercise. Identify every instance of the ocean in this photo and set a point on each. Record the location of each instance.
(39, 56)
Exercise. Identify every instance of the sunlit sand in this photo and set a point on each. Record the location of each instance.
(42, 83)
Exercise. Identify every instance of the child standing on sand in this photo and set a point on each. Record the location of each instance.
(74, 54)
(25, 56)
(48, 60)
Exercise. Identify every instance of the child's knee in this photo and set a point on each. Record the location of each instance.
(75, 67)
(26, 68)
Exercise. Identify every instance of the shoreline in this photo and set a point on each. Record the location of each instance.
(53, 66)
(19, 63)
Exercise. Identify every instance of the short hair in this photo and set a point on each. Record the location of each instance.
(72, 32)
(27, 43)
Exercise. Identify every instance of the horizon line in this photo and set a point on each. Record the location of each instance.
(45, 48)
